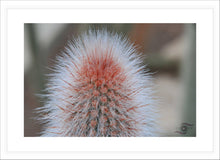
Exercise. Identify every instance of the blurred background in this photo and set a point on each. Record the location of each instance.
(170, 51)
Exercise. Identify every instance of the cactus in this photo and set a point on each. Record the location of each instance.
(99, 88)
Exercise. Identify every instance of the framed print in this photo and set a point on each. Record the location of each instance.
(109, 79)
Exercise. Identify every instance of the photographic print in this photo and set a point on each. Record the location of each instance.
(110, 80)
(97, 79)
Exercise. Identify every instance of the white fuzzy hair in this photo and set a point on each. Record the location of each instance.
(138, 86)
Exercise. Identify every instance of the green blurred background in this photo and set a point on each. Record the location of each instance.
(170, 51)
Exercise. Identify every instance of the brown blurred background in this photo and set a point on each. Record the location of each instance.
(170, 51)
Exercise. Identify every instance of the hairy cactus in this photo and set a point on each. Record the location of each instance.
(99, 88)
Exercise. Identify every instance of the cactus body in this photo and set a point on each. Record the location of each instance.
(99, 88)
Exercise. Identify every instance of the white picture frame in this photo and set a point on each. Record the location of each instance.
(13, 16)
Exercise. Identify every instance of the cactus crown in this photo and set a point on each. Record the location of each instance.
(99, 88)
